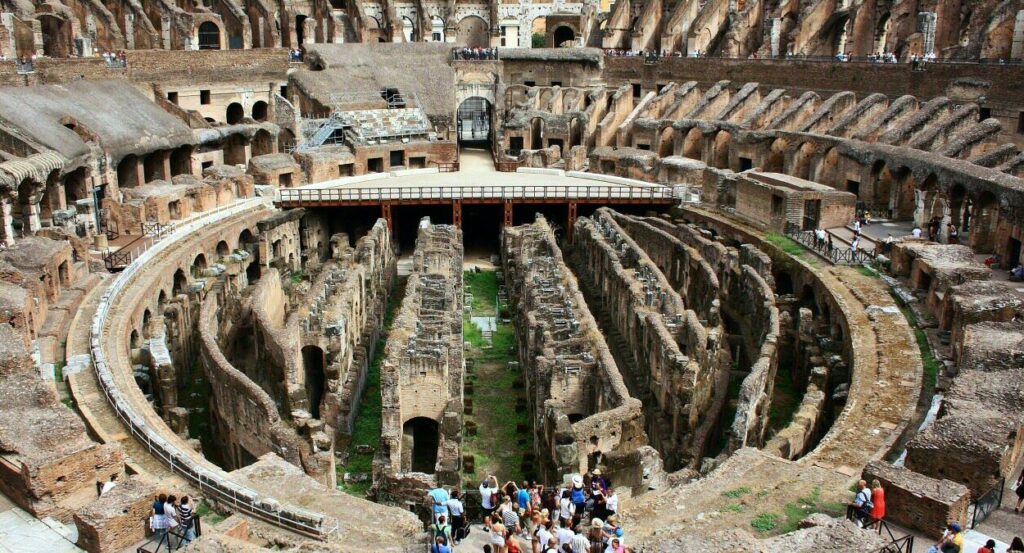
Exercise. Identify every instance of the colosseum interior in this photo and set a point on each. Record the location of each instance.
(306, 263)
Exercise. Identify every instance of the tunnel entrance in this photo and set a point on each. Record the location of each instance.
(474, 122)
(422, 437)
(313, 364)
(481, 225)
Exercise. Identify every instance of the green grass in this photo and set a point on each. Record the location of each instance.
(735, 508)
(737, 493)
(867, 271)
(297, 277)
(785, 243)
(805, 506)
(495, 448)
(766, 522)
(208, 515)
(366, 429)
(785, 400)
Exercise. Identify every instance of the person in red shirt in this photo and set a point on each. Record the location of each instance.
(990, 547)
(878, 500)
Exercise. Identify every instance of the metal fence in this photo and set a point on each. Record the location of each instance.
(904, 544)
(410, 193)
(837, 255)
(987, 503)
(210, 481)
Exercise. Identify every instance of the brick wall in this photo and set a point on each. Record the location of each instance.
(918, 502)
(118, 519)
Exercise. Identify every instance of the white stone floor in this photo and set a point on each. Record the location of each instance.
(21, 532)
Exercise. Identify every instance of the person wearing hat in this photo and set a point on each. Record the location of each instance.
(578, 495)
(599, 482)
(487, 495)
(952, 540)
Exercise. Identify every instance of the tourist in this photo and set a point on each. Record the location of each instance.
(171, 515)
(580, 543)
(954, 233)
(952, 540)
(1017, 275)
(611, 503)
(510, 516)
(439, 499)
(1019, 486)
(108, 485)
(542, 535)
(566, 509)
(441, 529)
(990, 547)
(599, 482)
(862, 504)
(855, 243)
(578, 495)
(458, 513)
(486, 495)
(819, 238)
(511, 543)
(186, 516)
(596, 534)
(615, 546)
(498, 537)
(157, 519)
(564, 533)
(1016, 546)
(916, 233)
(440, 546)
(552, 546)
(523, 497)
(878, 498)
(536, 492)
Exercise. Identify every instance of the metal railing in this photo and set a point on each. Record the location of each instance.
(121, 257)
(25, 67)
(475, 54)
(400, 193)
(175, 536)
(837, 255)
(210, 481)
(987, 503)
(447, 166)
(903, 544)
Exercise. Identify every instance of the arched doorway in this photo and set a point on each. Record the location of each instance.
(537, 133)
(198, 265)
(474, 121)
(563, 34)
(259, 111)
(235, 113)
(180, 282)
(262, 143)
(56, 35)
(424, 436)
(313, 367)
(300, 30)
(223, 249)
(209, 36)
(473, 32)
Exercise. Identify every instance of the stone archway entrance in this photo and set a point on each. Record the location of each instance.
(474, 122)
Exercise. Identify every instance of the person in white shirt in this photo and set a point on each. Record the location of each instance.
(457, 512)
(566, 509)
(916, 233)
(611, 502)
(564, 534)
(543, 533)
(486, 495)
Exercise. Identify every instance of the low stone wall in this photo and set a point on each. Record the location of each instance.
(117, 520)
(917, 502)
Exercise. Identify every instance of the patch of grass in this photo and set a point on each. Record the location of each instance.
(928, 359)
(785, 243)
(735, 508)
(208, 515)
(805, 506)
(766, 522)
(867, 271)
(366, 429)
(297, 277)
(738, 492)
(484, 287)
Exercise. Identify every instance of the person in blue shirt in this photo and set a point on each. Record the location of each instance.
(523, 497)
(439, 499)
(440, 546)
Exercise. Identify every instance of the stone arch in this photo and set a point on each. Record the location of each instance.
(575, 133)
(234, 150)
(25, 212)
(563, 34)
(776, 159)
(882, 33)
(424, 435)
(234, 114)
(537, 133)
(259, 111)
(828, 168)
(208, 36)
(285, 139)
(52, 196)
(128, 172)
(180, 285)
(146, 319)
(223, 250)
(692, 144)
(473, 31)
(474, 120)
(720, 150)
(153, 166)
(199, 264)
(959, 206)
(985, 221)
(801, 165)
(76, 186)
(409, 30)
(666, 141)
(313, 367)
(929, 201)
(57, 35)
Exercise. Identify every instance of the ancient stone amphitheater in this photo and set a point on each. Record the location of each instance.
(304, 262)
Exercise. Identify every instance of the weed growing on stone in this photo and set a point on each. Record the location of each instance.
(766, 522)
(738, 492)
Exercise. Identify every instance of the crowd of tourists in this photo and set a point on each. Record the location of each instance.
(476, 53)
(868, 510)
(581, 516)
(173, 520)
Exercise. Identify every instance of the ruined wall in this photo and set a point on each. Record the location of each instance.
(676, 365)
(577, 398)
(918, 502)
(423, 370)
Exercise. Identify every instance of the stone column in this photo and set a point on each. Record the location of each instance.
(6, 226)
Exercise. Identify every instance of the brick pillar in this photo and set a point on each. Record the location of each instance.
(572, 221)
(385, 212)
(508, 213)
(31, 218)
(140, 172)
(167, 165)
(6, 227)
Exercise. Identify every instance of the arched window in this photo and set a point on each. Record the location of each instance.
(209, 36)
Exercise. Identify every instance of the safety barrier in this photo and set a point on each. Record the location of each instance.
(837, 255)
(988, 502)
(209, 481)
(509, 193)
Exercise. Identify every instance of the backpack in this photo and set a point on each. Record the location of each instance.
(867, 504)
(578, 496)
(438, 531)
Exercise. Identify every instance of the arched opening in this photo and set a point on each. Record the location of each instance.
(882, 33)
(720, 158)
(472, 31)
(153, 167)
(409, 30)
(209, 36)
(807, 300)
(958, 215)
(234, 150)
(22, 211)
(536, 133)
(300, 30)
(776, 160)
(76, 187)
(423, 437)
(161, 300)
(146, 316)
(692, 144)
(828, 168)
(930, 206)
(223, 250)
(564, 34)
(235, 113)
(903, 194)
(313, 368)
(180, 283)
(262, 143)
(248, 242)
(575, 133)
(666, 141)
(985, 220)
(783, 283)
(259, 111)
(198, 265)
(128, 172)
(802, 161)
(436, 29)
(286, 140)
(474, 121)
(134, 340)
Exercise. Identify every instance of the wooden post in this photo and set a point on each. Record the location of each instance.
(457, 213)
(572, 221)
(385, 212)
(508, 213)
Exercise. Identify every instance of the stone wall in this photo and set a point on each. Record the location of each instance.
(917, 502)
(674, 363)
(576, 395)
(423, 370)
(117, 520)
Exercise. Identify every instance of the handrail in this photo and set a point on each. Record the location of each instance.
(904, 544)
(987, 503)
(398, 193)
(838, 256)
(213, 482)
(165, 539)
(122, 256)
